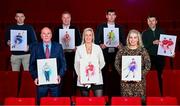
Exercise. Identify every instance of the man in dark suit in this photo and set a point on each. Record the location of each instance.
(39, 51)
(109, 75)
(70, 76)
(150, 38)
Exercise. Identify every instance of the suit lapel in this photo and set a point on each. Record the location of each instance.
(61, 27)
(106, 24)
(41, 48)
(52, 50)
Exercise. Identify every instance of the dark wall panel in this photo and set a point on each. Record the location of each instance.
(90, 10)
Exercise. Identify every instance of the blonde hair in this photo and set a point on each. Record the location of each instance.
(84, 34)
(140, 43)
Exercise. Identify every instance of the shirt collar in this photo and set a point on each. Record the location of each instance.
(111, 25)
(44, 45)
(66, 27)
(20, 24)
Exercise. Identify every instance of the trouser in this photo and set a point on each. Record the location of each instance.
(17, 60)
(97, 90)
(111, 77)
(70, 77)
(43, 90)
(158, 62)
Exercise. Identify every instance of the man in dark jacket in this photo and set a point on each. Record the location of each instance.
(70, 76)
(151, 41)
(110, 76)
(19, 57)
(39, 51)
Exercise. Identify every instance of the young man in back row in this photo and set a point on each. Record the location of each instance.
(19, 57)
(110, 76)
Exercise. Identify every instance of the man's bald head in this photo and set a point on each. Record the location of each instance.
(46, 34)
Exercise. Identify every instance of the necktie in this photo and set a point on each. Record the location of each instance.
(47, 51)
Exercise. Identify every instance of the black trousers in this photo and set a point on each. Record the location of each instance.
(70, 77)
(158, 63)
(97, 90)
(111, 77)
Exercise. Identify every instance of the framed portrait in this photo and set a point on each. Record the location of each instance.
(131, 68)
(47, 71)
(111, 37)
(167, 45)
(89, 71)
(67, 38)
(18, 40)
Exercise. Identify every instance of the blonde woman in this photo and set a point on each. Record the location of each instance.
(89, 51)
(134, 47)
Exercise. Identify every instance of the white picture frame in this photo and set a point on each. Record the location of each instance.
(47, 71)
(67, 38)
(167, 45)
(89, 71)
(18, 40)
(131, 68)
(111, 37)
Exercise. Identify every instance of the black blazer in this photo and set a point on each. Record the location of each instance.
(77, 35)
(56, 51)
(99, 34)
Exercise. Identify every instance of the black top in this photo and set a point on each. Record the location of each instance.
(148, 36)
(77, 34)
(31, 36)
(99, 37)
(100, 34)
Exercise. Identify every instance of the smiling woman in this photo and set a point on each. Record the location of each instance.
(134, 48)
(134, 39)
(89, 61)
(88, 41)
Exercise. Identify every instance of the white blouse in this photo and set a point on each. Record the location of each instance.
(95, 54)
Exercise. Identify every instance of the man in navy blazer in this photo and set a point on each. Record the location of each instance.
(38, 52)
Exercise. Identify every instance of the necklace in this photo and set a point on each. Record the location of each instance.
(88, 48)
(133, 47)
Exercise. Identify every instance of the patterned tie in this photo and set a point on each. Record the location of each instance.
(47, 51)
